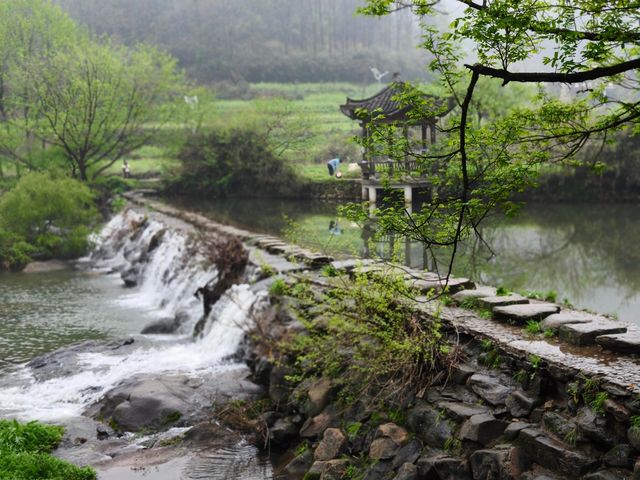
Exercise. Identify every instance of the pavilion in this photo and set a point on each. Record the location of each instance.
(385, 108)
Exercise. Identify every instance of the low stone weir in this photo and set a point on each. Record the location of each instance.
(574, 413)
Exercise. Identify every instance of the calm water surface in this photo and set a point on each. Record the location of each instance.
(587, 254)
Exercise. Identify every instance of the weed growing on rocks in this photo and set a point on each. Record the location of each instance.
(373, 343)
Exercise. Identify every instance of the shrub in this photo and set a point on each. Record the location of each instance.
(231, 162)
(372, 342)
(25, 453)
(45, 216)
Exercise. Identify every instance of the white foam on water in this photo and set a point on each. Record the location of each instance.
(169, 276)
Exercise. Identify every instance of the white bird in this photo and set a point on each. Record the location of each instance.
(191, 101)
(378, 76)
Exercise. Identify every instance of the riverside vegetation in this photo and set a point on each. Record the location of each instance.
(25, 453)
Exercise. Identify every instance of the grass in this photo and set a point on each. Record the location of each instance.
(311, 109)
(25, 453)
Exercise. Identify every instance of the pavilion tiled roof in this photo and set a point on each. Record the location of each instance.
(382, 103)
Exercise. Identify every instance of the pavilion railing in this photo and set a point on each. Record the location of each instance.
(378, 167)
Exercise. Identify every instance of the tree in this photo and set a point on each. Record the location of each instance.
(70, 100)
(30, 31)
(481, 163)
(100, 101)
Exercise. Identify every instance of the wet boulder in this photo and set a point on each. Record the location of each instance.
(143, 403)
(166, 326)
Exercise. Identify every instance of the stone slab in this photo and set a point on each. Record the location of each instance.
(620, 342)
(461, 411)
(503, 301)
(438, 284)
(553, 455)
(525, 312)
(478, 292)
(350, 264)
(566, 317)
(586, 333)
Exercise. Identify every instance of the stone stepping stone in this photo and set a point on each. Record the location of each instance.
(567, 317)
(586, 333)
(315, 260)
(350, 264)
(502, 301)
(282, 249)
(478, 292)
(525, 312)
(621, 342)
(453, 285)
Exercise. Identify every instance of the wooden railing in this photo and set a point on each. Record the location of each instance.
(375, 168)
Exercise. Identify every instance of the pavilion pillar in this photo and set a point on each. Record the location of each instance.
(424, 136)
(408, 194)
(433, 133)
(372, 195)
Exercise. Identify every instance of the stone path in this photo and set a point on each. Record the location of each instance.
(581, 335)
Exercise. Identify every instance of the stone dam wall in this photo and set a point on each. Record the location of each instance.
(563, 404)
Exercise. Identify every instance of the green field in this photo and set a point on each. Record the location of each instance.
(309, 112)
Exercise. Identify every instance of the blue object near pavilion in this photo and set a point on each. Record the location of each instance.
(332, 165)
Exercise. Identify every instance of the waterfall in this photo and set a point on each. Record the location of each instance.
(169, 269)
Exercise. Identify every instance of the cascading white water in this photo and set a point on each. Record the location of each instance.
(169, 275)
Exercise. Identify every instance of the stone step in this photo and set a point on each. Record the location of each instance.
(439, 284)
(567, 317)
(478, 292)
(351, 263)
(523, 313)
(586, 333)
(502, 301)
(620, 342)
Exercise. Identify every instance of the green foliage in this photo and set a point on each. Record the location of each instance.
(373, 341)
(352, 430)
(72, 101)
(47, 216)
(597, 402)
(490, 154)
(550, 296)
(24, 453)
(533, 327)
(635, 422)
(571, 437)
(521, 376)
(535, 362)
(452, 444)
(302, 448)
(278, 288)
(491, 358)
(231, 162)
(329, 271)
(502, 291)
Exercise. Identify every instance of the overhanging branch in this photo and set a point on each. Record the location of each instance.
(553, 77)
